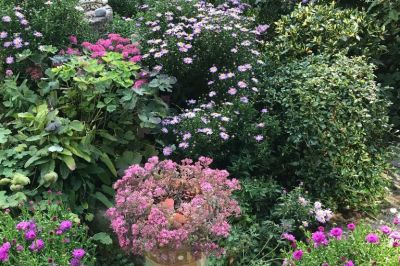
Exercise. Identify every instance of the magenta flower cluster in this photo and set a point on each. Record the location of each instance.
(168, 205)
(113, 43)
(320, 238)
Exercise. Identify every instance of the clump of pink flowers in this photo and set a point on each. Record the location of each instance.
(175, 206)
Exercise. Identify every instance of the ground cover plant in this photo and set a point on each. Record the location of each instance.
(44, 232)
(355, 245)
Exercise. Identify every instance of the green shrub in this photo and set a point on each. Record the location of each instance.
(79, 124)
(123, 26)
(322, 28)
(56, 19)
(387, 14)
(46, 222)
(125, 8)
(335, 128)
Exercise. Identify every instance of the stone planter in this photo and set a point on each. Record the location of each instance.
(167, 257)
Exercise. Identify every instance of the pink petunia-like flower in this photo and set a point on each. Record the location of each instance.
(6, 19)
(10, 60)
(213, 69)
(351, 227)
(37, 245)
(78, 253)
(167, 151)
(385, 229)
(187, 60)
(336, 233)
(349, 263)
(372, 238)
(298, 254)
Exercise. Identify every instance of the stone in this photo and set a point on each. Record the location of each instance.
(100, 12)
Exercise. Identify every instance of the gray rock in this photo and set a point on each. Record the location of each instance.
(100, 12)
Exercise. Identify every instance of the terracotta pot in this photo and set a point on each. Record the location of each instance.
(182, 257)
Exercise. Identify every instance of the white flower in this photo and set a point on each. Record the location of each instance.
(317, 205)
(393, 210)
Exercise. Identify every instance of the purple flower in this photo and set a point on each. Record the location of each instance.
(213, 69)
(9, 73)
(224, 136)
(395, 235)
(37, 245)
(78, 253)
(24, 225)
(244, 99)
(167, 151)
(187, 60)
(319, 238)
(6, 19)
(3, 35)
(37, 34)
(351, 226)
(24, 22)
(9, 60)
(65, 225)
(349, 263)
(298, 254)
(232, 91)
(372, 238)
(260, 29)
(19, 248)
(4, 249)
(259, 138)
(385, 229)
(336, 233)
(30, 235)
(7, 44)
(18, 42)
(75, 262)
(288, 237)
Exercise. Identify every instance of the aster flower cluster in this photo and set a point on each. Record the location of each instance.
(15, 35)
(39, 236)
(178, 206)
(227, 73)
(337, 245)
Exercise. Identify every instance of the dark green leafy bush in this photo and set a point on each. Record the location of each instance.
(387, 14)
(335, 128)
(82, 122)
(126, 8)
(56, 19)
(323, 28)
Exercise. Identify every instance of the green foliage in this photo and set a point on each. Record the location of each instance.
(125, 8)
(387, 14)
(353, 246)
(123, 26)
(47, 214)
(323, 28)
(241, 153)
(56, 21)
(335, 128)
(78, 126)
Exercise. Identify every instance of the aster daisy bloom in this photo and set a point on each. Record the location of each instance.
(187, 60)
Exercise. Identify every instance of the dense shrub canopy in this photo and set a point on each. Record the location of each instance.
(334, 119)
(322, 28)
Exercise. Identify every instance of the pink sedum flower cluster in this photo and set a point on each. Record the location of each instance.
(177, 206)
